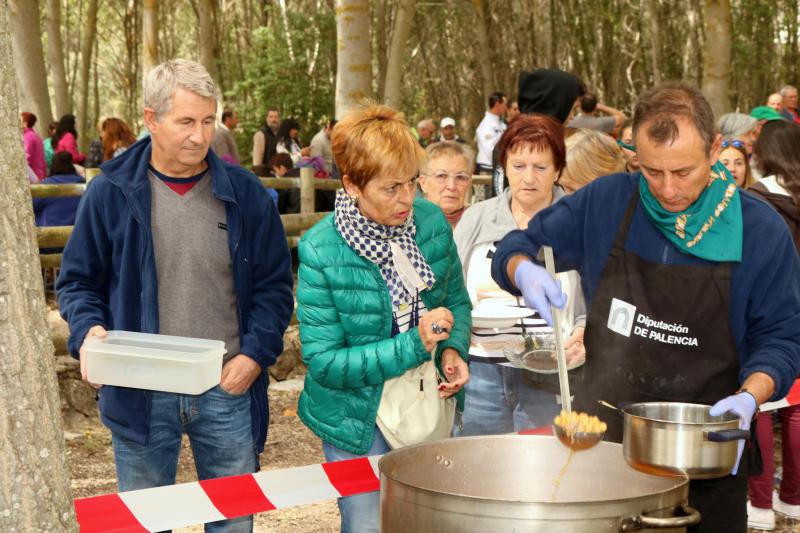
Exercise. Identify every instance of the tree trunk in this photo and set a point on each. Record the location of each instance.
(651, 13)
(484, 55)
(717, 72)
(354, 65)
(90, 30)
(35, 493)
(379, 47)
(208, 41)
(393, 95)
(55, 58)
(29, 62)
(149, 35)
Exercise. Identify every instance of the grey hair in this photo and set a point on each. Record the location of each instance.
(734, 125)
(449, 149)
(162, 81)
(426, 122)
(786, 88)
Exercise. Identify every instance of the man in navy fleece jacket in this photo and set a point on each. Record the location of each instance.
(672, 319)
(170, 239)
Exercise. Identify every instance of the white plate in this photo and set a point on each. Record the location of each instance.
(498, 316)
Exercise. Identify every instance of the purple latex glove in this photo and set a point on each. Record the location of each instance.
(539, 290)
(744, 406)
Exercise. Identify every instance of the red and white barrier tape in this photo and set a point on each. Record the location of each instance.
(206, 501)
(793, 398)
(200, 502)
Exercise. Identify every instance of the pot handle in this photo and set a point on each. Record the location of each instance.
(726, 435)
(691, 518)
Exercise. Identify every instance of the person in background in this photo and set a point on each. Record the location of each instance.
(445, 179)
(789, 95)
(289, 141)
(363, 321)
(266, 139)
(512, 112)
(681, 245)
(501, 398)
(321, 145)
(734, 157)
(58, 211)
(489, 131)
(778, 153)
(65, 139)
(588, 119)
(544, 91)
(426, 130)
(590, 154)
(117, 137)
(48, 143)
(739, 127)
(171, 240)
(775, 101)
(34, 147)
(224, 145)
(625, 142)
(282, 166)
(94, 155)
(447, 131)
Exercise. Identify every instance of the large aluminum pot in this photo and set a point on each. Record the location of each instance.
(505, 483)
(669, 438)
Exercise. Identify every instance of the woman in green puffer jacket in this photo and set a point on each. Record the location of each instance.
(362, 322)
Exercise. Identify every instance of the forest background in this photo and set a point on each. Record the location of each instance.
(430, 59)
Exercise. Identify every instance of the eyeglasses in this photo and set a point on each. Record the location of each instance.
(735, 143)
(460, 178)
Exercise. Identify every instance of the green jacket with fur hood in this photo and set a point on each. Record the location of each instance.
(345, 315)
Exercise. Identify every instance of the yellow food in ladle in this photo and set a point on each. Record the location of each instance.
(573, 422)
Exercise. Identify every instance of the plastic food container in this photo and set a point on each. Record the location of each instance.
(155, 362)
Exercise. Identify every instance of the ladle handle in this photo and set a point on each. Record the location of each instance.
(563, 379)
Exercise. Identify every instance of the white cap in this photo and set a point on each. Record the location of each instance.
(447, 121)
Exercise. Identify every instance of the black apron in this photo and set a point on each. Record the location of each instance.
(660, 332)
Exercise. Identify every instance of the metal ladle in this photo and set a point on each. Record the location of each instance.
(580, 440)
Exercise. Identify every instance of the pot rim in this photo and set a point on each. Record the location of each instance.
(728, 417)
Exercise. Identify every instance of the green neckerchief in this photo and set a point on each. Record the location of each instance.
(711, 228)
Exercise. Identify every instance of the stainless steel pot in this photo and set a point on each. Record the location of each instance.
(668, 438)
(504, 483)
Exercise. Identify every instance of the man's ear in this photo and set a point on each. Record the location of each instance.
(150, 119)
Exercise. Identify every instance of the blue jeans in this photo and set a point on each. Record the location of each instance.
(220, 432)
(500, 400)
(360, 513)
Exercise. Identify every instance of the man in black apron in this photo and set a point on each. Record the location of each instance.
(663, 324)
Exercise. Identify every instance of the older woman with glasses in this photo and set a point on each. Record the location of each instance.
(500, 397)
(446, 177)
(379, 290)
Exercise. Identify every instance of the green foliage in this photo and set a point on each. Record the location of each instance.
(300, 83)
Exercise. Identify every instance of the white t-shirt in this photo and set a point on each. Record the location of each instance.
(488, 133)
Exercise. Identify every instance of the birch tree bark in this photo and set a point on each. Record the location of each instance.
(392, 95)
(55, 59)
(29, 62)
(354, 65)
(717, 62)
(149, 35)
(35, 493)
(87, 46)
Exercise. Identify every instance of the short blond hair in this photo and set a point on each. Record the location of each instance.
(449, 149)
(372, 140)
(591, 154)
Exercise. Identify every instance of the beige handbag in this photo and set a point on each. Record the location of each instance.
(411, 410)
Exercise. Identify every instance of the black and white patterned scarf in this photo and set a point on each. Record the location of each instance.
(382, 245)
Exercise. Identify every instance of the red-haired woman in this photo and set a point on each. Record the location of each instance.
(116, 136)
(501, 398)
